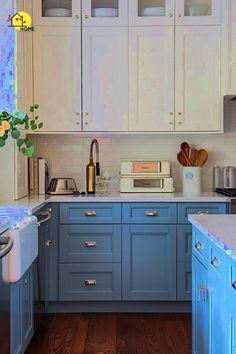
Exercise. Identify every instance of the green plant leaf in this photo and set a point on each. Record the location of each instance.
(15, 133)
(2, 142)
(36, 117)
(20, 142)
(40, 125)
(36, 105)
(28, 151)
(20, 115)
(34, 126)
(32, 122)
(31, 108)
(5, 136)
(27, 125)
(28, 142)
(16, 121)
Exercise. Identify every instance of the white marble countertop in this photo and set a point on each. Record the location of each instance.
(34, 203)
(221, 229)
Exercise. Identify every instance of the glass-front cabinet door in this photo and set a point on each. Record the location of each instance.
(151, 12)
(105, 12)
(198, 12)
(57, 12)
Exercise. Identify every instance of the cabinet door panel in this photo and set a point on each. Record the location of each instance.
(105, 79)
(198, 78)
(200, 308)
(149, 262)
(151, 75)
(27, 307)
(231, 53)
(198, 12)
(57, 77)
(16, 315)
(151, 12)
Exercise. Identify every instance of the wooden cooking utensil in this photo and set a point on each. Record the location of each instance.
(181, 159)
(202, 157)
(193, 156)
(185, 151)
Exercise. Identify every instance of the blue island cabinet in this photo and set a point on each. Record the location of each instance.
(22, 313)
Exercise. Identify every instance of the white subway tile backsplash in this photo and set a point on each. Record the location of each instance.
(68, 155)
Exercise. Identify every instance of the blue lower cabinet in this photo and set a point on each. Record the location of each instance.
(200, 309)
(184, 281)
(231, 306)
(22, 313)
(94, 282)
(149, 262)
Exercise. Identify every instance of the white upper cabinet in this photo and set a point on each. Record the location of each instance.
(151, 12)
(105, 79)
(105, 12)
(56, 12)
(231, 48)
(57, 78)
(198, 12)
(151, 78)
(198, 100)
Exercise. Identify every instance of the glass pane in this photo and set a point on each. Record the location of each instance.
(198, 8)
(105, 8)
(57, 8)
(151, 7)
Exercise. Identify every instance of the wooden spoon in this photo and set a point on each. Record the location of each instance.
(193, 156)
(202, 157)
(181, 159)
(185, 150)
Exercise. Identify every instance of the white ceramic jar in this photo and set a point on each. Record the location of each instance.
(192, 180)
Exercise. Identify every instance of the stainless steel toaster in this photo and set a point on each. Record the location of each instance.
(62, 186)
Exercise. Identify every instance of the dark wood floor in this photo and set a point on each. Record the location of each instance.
(113, 334)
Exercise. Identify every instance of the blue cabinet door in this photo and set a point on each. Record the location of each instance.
(200, 309)
(149, 262)
(231, 305)
(27, 307)
(15, 318)
(184, 262)
(22, 313)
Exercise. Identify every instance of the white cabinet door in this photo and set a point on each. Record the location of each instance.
(151, 75)
(105, 79)
(231, 50)
(198, 78)
(57, 65)
(198, 12)
(151, 12)
(56, 13)
(105, 13)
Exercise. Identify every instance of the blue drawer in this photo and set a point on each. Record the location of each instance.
(90, 243)
(90, 282)
(90, 213)
(201, 247)
(149, 213)
(185, 209)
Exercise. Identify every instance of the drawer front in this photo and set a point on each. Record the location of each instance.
(90, 243)
(184, 281)
(90, 213)
(218, 261)
(185, 209)
(90, 282)
(201, 247)
(149, 213)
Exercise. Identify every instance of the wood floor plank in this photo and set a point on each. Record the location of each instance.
(113, 334)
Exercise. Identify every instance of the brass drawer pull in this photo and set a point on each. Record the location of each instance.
(199, 246)
(234, 285)
(90, 213)
(203, 212)
(151, 213)
(90, 244)
(215, 262)
(90, 282)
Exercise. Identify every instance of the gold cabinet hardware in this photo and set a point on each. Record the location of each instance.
(151, 213)
(90, 213)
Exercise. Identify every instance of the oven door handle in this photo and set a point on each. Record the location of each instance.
(8, 243)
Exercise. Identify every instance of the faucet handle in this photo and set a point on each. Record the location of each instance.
(97, 168)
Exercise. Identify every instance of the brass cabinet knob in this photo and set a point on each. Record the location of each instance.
(48, 243)
(26, 281)
(199, 246)
(215, 262)
(203, 212)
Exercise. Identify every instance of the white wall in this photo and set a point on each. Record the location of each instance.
(68, 154)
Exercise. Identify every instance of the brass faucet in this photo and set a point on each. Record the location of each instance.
(97, 164)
